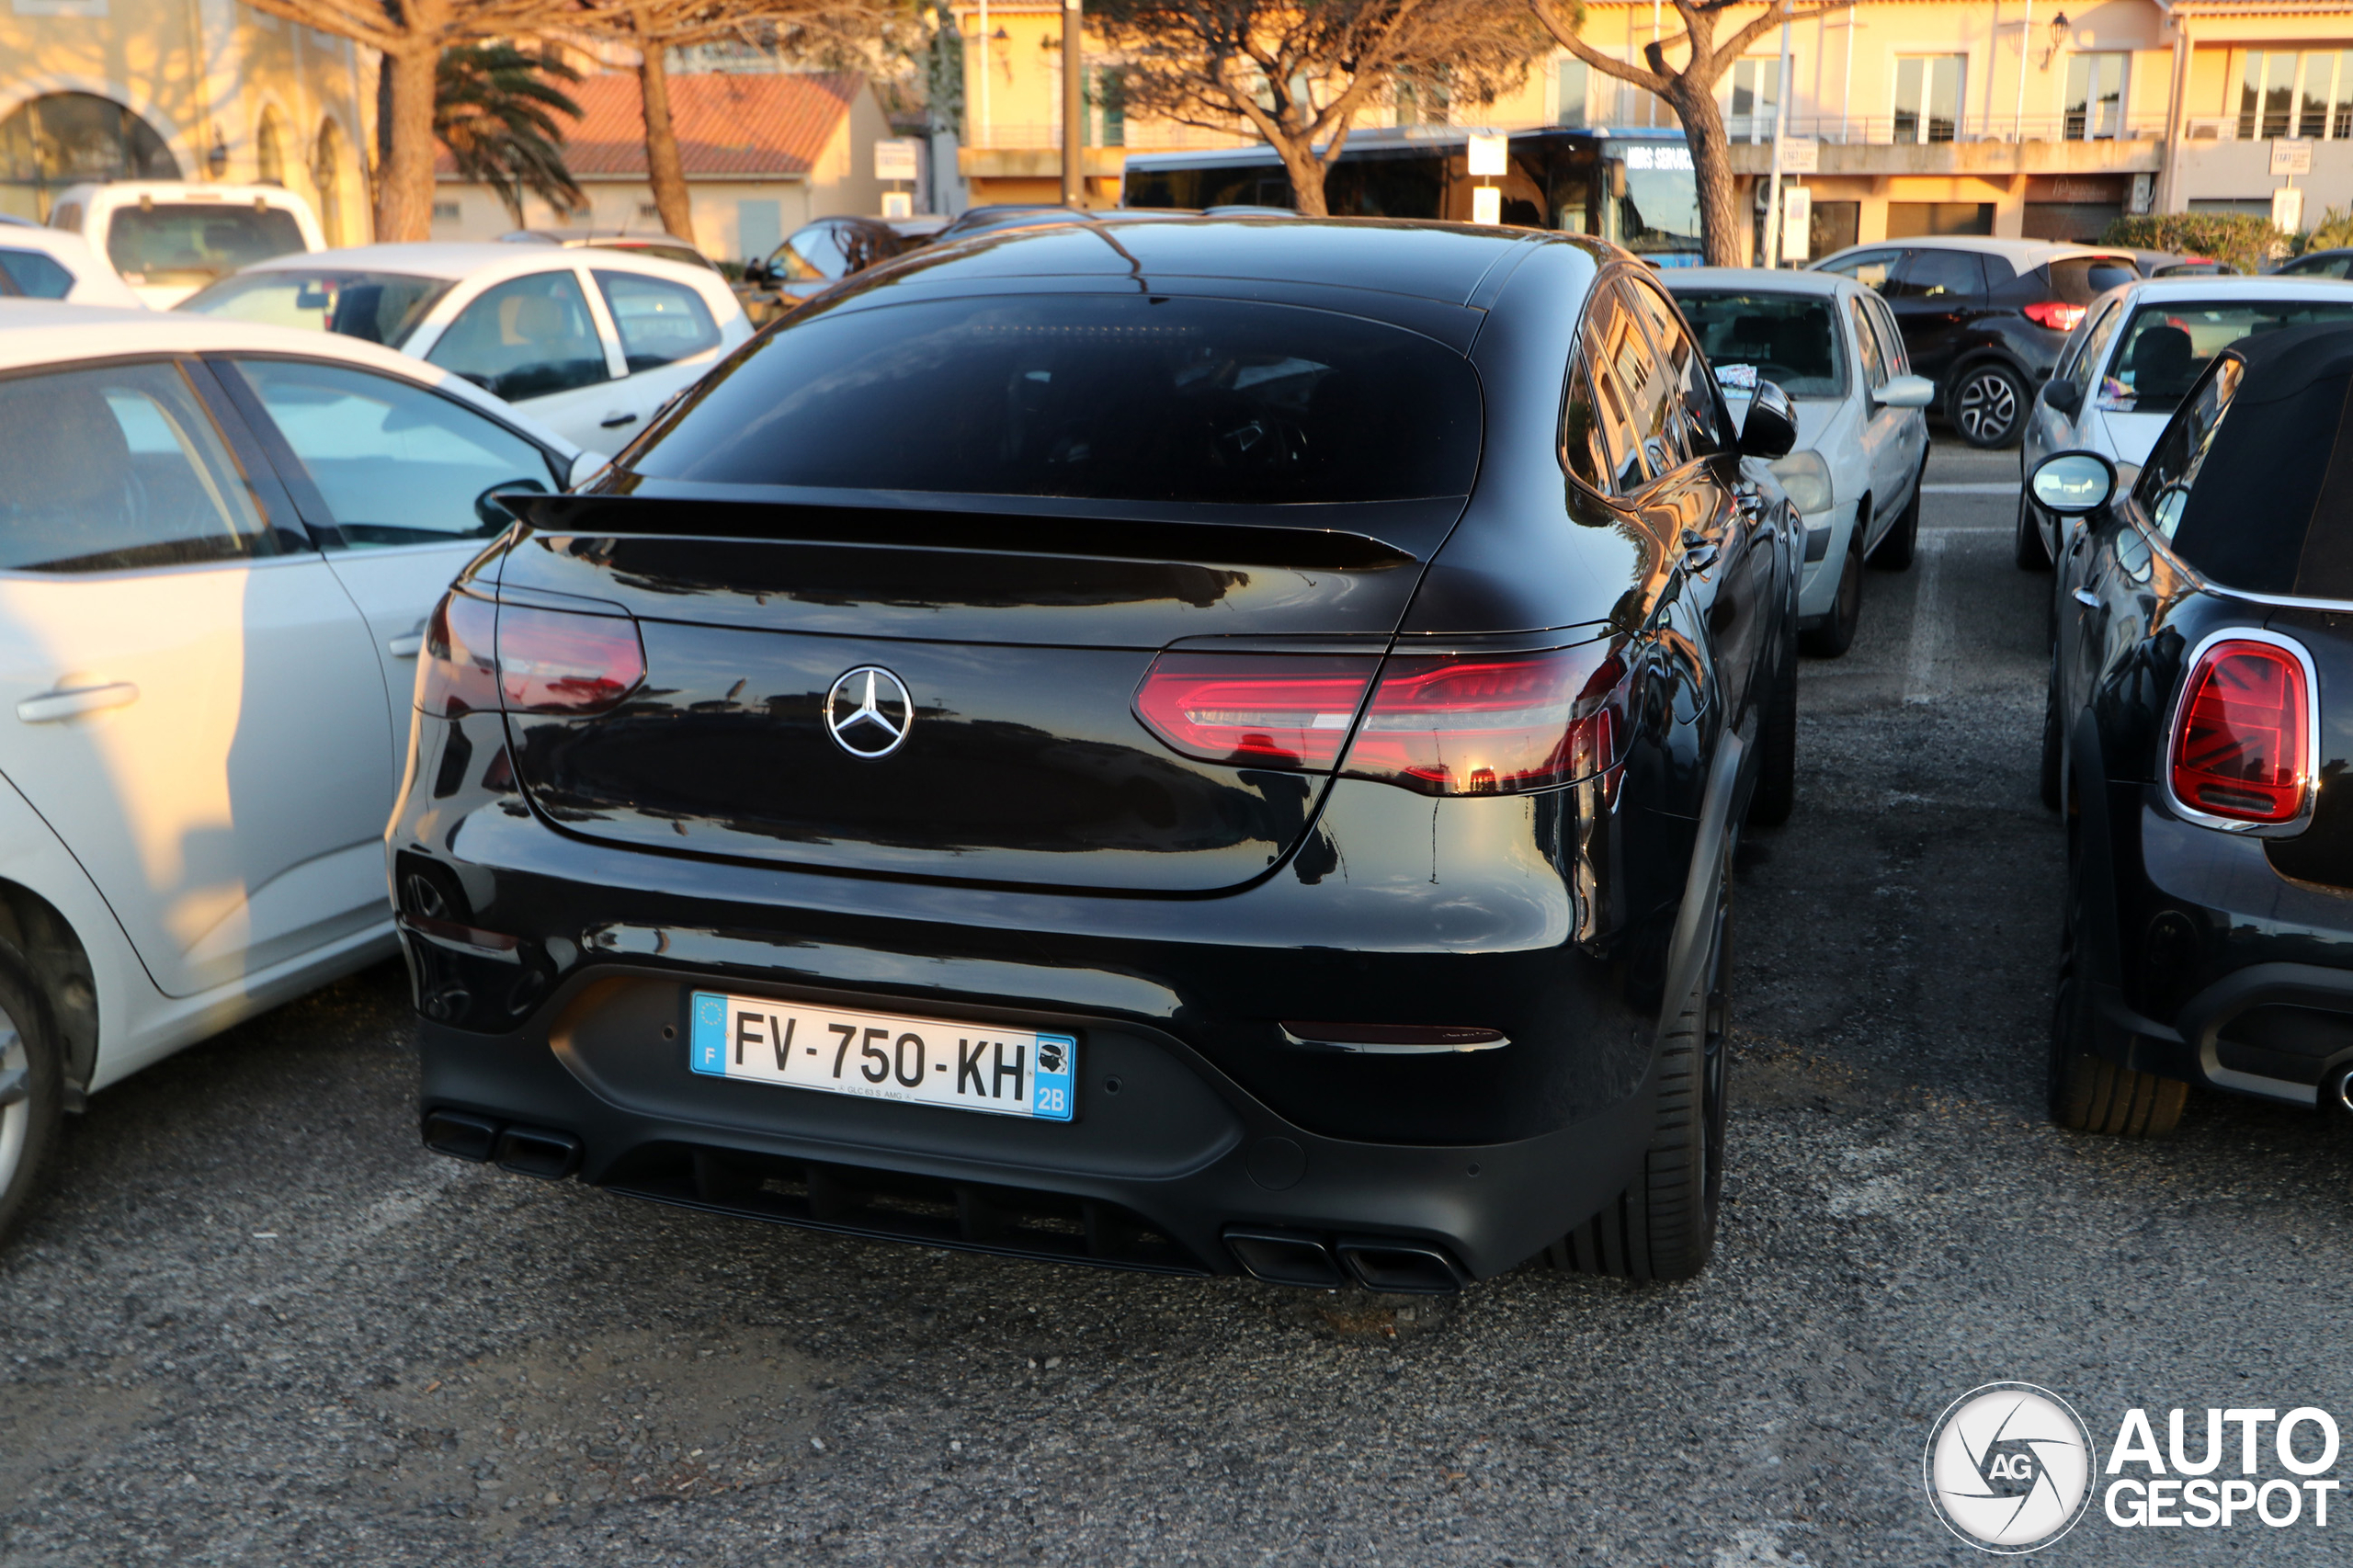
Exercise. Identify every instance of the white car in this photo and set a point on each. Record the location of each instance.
(44, 263)
(1831, 345)
(590, 343)
(2136, 352)
(220, 544)
(165, 239)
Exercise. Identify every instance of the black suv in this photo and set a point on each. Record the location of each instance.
(1188, 745)
(1984, 318)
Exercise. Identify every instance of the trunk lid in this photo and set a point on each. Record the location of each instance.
(1020, 631)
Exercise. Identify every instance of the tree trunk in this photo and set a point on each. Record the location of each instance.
(664, 168)
(404, 192)
(1306, 171)
(1703, 128)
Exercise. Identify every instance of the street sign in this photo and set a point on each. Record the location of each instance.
(898, 204)
(1487, 155)
(2289, 158)
(2144, 195)
(1797, 219)
(1486, 205)
(897, 158)
(1801, 158)
(2288, 208)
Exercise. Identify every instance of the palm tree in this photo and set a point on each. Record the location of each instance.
(494, 107)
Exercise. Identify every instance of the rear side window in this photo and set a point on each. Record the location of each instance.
(1953, 275)
(35, 275)
(1105, 396)
(659, 321)
(526, 337)
(394, 463)
(116, 468)
(2080, 279)
(2165, 484)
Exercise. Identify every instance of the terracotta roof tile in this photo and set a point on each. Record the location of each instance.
(729, 123)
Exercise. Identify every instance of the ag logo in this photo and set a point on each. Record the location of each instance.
(2009, 1468)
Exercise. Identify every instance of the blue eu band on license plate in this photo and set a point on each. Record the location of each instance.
(884, 1056)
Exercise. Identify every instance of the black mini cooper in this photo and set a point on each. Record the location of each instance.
(1207, 746)
(2198, 734)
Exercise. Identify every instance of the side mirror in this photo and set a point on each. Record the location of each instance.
(755, 273)
(586, 467)
(1907, 391)
(2071, 485)
(491, 507)
(1771, 426)
(2064, 396)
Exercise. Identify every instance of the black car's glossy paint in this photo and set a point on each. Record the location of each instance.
(2210, 956)
(1047, 862)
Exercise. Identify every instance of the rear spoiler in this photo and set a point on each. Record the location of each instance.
(1115, 539)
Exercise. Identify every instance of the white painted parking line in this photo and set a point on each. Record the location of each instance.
(1920, 660)
(1973, 487)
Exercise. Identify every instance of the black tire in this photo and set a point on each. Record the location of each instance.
(1776, 794)
(1894, 552)
(1836, 631)
(32, 1106)
(1988, 405)
(1663, 1226)
(2033, 555)
(2054, 740)
(2090, 1095)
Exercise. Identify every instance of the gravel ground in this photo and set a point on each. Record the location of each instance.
(254, 1322)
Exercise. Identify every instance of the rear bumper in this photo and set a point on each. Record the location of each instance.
(2233, 975)
(1175, 1169)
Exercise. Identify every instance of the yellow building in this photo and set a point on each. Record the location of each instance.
(179, 89)
(2033, 118)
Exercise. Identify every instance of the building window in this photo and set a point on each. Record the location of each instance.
(1927, 97)
(1576, 86)
(1756, 98)
(446, 212)
(2286, 92)
(2095, 98)
(649, 212)
(1111, 102)
(64, 139)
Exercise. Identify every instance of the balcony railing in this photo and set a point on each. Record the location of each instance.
(1136, 135)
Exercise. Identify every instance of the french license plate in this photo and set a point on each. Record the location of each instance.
(884, 1056)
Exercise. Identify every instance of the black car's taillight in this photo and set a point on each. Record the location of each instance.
(1467, 724)
(2241, 747)
(2056, 315)
(1436, 724)
(480, 657)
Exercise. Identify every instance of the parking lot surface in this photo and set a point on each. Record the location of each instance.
(254, 1322)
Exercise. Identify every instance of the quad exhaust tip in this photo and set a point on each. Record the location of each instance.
(530, 1151)
(1381, 1263)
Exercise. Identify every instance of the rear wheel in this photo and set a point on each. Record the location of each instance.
(2091, 1094)
(1838, 630)
(1663, 1226)
(2033, 555)
(1988, 405)
(1895, 551)
(32, 1096)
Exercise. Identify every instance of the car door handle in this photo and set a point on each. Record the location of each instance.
(615, 421)
(1700, 550)
(407, 645)
(52, 705)
(2085, 598)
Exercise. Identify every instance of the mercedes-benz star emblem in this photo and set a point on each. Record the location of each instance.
(869, 712)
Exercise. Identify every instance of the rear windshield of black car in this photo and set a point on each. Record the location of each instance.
(1098, 396)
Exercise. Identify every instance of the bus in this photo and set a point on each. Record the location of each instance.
(1634, 188)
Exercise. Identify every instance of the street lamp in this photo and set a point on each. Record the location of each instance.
(2058, 29)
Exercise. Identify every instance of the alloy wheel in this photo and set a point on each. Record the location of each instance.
(1986, 407)
(16, 1100)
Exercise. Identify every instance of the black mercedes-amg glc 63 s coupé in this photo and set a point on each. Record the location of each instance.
(1201, 745)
